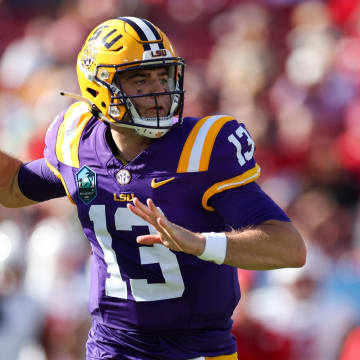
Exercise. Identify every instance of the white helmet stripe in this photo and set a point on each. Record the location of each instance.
(144, 27)
(145, 32)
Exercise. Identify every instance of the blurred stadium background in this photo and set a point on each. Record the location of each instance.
(288, 69)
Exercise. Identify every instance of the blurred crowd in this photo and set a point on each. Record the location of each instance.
(289, 70)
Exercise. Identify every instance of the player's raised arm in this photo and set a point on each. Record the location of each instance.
(10, 194)
(271, 245)
(23, 184)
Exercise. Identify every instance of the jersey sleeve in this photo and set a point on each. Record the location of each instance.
(247, 205)
(223, 148)
(62, 140)
(37, 182)
(63, 136)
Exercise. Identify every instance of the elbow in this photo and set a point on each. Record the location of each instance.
(9, 205)
(15, 201)
(299, 253)
(297, 248)
(5, 201)
(301, 259)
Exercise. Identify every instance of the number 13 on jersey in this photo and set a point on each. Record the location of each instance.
(242, 155)
(141, 290)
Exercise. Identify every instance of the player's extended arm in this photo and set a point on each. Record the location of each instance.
(271, 245)
(10, 194)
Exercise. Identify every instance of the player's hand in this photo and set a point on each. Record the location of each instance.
(169, 234)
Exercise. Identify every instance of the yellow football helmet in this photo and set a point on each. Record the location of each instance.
(124, 44)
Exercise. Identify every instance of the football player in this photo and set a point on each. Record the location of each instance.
(170, 205)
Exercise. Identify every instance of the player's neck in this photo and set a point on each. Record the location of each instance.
(128, 143)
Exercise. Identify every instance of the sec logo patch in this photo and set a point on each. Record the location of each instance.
(123, 177)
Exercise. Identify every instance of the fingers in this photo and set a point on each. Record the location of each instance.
(143, 211)
(152, 207)
(148, 239)
(149, 213)
(137, 212)
(155, 217)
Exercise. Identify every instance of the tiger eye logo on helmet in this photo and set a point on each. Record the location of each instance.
(88, 56)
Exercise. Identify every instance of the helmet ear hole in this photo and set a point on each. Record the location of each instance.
(93, 92)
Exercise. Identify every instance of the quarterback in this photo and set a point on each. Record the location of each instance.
(169, 204)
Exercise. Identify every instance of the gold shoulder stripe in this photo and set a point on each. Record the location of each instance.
(210, 140)
(59, 176)
(196, 152)
(69, 134)
(186, 152)
(243, 179)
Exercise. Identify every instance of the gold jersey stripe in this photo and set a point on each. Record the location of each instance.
(68, 138)
(61, 132)
(196, 152)
(243, 179)
(74, 146)
(58, 175)
(210, 140)
(186, 152)
(223, 357)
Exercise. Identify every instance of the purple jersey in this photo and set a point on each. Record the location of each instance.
(152, 289)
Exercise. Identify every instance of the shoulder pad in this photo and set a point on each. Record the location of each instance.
(223, 148)
(195, 155)
(69, 133)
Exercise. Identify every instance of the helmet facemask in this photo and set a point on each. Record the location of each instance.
(157, 125)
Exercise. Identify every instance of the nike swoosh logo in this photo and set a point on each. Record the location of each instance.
(155, 184)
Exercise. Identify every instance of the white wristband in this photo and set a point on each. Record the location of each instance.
(215, 247)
